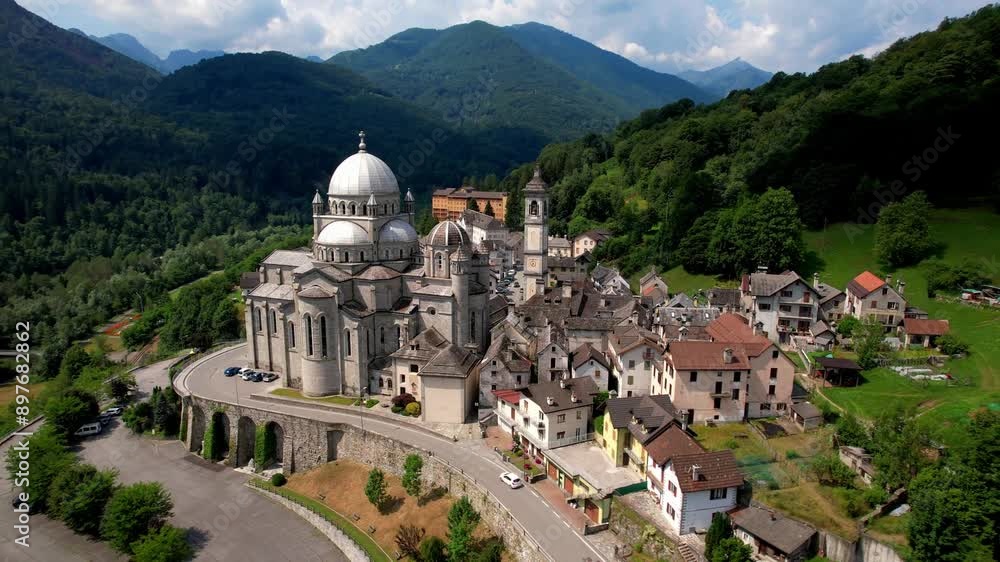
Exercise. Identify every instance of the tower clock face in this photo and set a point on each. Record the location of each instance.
(532, 263)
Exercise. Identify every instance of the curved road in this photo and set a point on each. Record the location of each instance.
(205, 379)
(227, 520)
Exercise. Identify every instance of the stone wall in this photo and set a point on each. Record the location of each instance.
(633, 530)
(865, 549)
(309, 443)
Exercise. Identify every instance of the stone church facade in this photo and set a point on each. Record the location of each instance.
(329, 319)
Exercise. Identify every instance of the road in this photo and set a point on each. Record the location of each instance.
(227, 520)
(205, 379)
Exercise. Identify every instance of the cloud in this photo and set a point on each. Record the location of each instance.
(669, 35)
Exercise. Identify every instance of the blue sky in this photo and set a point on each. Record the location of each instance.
(667, 35)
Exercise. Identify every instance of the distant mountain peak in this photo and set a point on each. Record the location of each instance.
(736, 74)
(132, 48)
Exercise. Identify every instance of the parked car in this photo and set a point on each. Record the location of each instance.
(232, 371)
(269, 377)
(512, 480)
(92, 428)
(256, 377)
(247, 375)
(114, 411)
(244, 371)
(105, 419)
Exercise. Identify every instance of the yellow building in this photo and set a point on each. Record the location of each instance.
(630, 423)
(449, 203)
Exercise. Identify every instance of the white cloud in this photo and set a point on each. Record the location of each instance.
(791, 35)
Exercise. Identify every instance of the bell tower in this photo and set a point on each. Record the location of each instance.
(536, 235)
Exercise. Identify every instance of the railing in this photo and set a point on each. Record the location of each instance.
(554, 443)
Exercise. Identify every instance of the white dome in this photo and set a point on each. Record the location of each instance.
(396, 231)
(361, 175)
(343, 233)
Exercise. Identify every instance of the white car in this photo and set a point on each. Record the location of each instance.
(512, 480)
(114, 411)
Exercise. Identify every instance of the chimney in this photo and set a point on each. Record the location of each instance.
(694, 472)
(757, 327)
(562, 383)
(888, 280)
(507, 354)
(727, 355)
(573, 398)
(902, 287)
(816, 280)
(567, 291)
(550, 400)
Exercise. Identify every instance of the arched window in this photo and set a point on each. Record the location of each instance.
(399, 337)
(309, 335)
(291, 335)
(387, 254)
(347, 343)
(385, 209)
(362, 256)
(440, 264)
(274, 321)
(322, 335)
(533, 208)
(256, 319)
(354, 209)
(400, 253)
(347, 257)
(381, 335)
(394, 208)
(343, 208)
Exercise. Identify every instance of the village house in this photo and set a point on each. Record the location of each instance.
(831, 301)
(723, 299)
(449, 386)
(547, 415)
(738, 375)
(408, 361)
(772, 537)
(482, 227)
(690, 484)
(588, 361)
(552, 355)
(680, 324)
(586, 243)
(779, 306)
(634, 353)
(631, 423)
(922, 333)
(503, 367)
(806, 416)
(566, 271)
(859, 461)
(652, 289)
(560, 247)
(609, 281)
(869, 296)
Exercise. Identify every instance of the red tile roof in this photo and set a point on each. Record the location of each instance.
(717, 469)
(865, 283)
(509, 396)
(732, 328)
(697, 355)
(919, 327)
(672, 442)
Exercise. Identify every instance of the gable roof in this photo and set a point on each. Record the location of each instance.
(699, 355)
(586, 352)
(650, 412)
(681, 300)
(921, 327)
(838, 363)
(720, 296)
(452, 361)
(807, 410)
(787, 535)
(716, 469)
(864, 284)
(583, 388)
(766, 284)
(672, 442)
(423, 347)
(733, 328)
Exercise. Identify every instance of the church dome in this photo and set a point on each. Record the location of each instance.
(363, 174)
(448, 233)
(397, 231)
(342, 233)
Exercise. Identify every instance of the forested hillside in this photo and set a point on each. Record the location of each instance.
(529, 76)
(683, 184)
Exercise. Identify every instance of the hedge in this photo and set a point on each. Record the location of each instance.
(265, 444)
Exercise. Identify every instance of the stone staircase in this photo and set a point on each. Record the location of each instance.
(687, 553)
(691, 548)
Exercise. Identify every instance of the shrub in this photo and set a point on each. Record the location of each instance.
(950, 345)
(412, 409)
(718, 531)
(401, 400)
(167, 544)
(134, 511)
(265, 445)
(412, 469)
(830, 471)
(462, 522)
(847, 325)
(397, 409)
(731, 444)
(875, 496)
(491, 551)
(731, 550)
(83, 493)
(792, 454)
(375, 488)
(432, 550)
(139, 418)
(278, 479)
(408, 538)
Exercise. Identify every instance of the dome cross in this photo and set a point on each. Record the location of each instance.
(362, 146)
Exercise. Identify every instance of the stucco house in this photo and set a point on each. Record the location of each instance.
(653, 289)
(868, 295)
(690, 484)
(588, 361)
(503, 367)
(552, 355)
(548, 415)
(781, 305)
(634, 352)
(588, 241)
(923, 333)
(449, 386)
(631, 423)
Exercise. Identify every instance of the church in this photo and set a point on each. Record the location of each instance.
(371, 308)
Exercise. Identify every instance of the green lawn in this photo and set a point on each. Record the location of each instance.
(680, 281)
(966, 234)
(340, 400)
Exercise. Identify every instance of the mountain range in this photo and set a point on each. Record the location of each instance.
(132, 48)
(736, 74)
